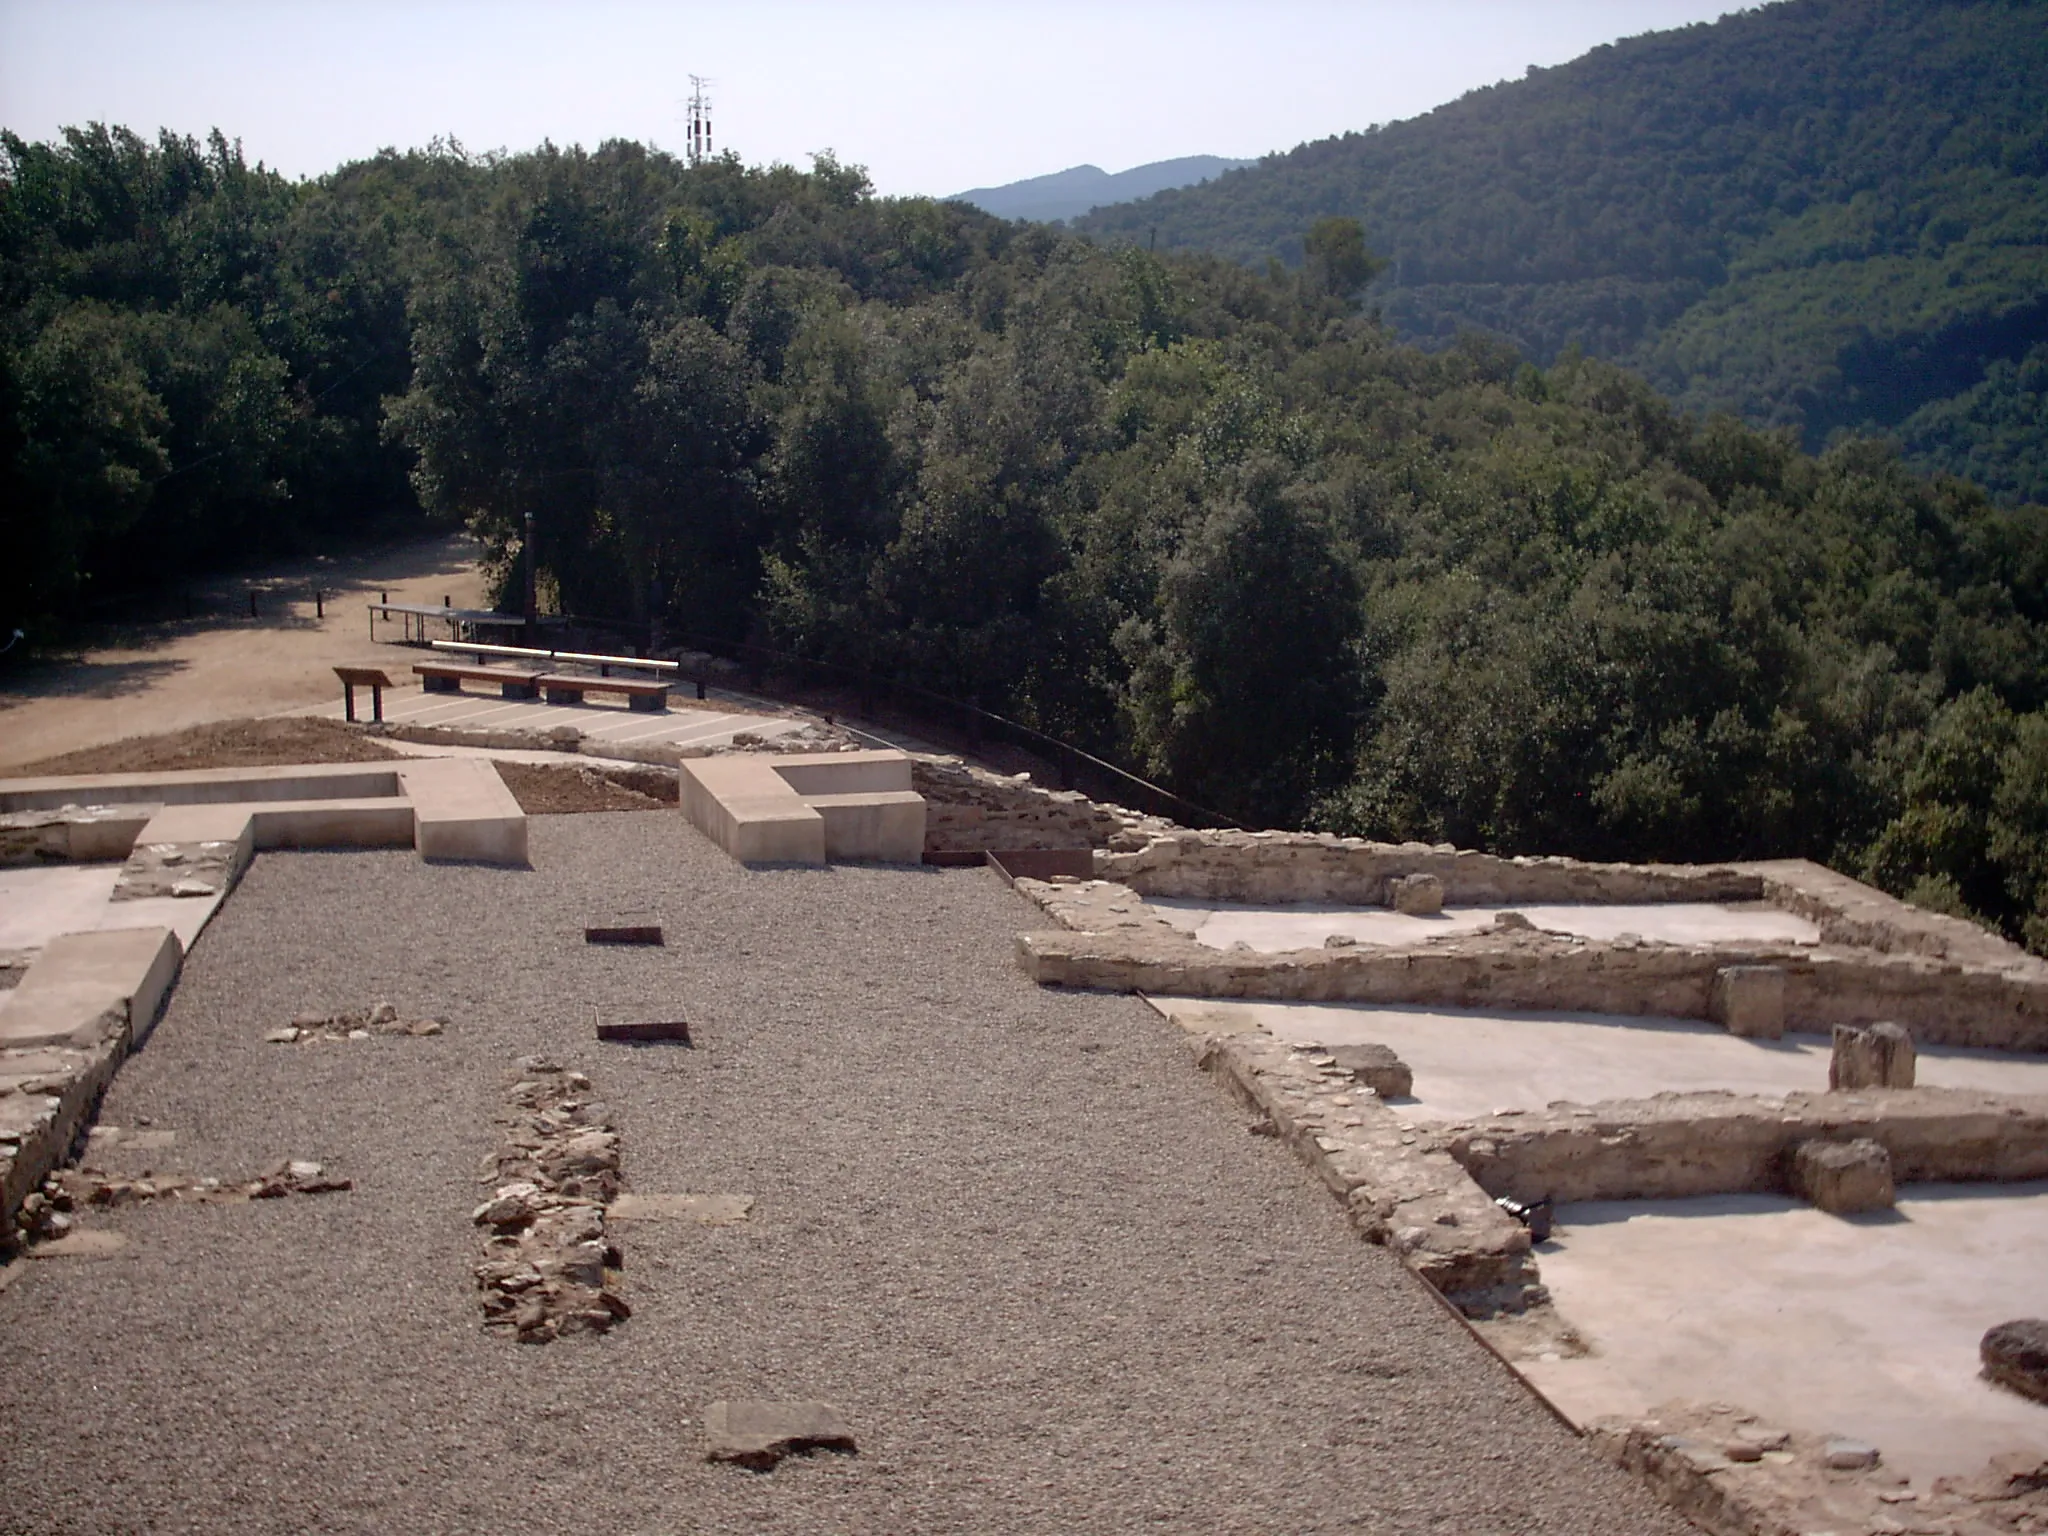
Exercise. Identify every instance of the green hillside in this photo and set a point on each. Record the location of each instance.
(1823, 214)
(1206, 520)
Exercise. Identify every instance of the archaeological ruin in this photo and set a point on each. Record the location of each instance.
(1738, 1168)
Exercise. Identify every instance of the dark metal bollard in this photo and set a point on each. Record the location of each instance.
(252, 602)
(319, 604)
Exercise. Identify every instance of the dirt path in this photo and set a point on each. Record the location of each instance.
(163, 677)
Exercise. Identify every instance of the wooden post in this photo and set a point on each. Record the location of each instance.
(252, 602)
(319, 604)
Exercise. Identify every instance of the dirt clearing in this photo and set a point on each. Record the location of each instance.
(143, 678)
(228, 744)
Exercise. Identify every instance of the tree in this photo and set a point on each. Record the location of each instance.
(1338, 262)
(1244, 691)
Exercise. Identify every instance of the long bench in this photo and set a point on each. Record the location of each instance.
(640, 694)
(449, 676)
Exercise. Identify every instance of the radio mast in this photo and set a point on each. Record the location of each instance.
(699, 139)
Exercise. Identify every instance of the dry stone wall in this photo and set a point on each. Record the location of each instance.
(1314, 866)
(1734, 1474)
(1678, 1145)
(1398, 1189)
(1111, 940)
(969, 809)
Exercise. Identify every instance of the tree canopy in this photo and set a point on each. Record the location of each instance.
(1216, 522)
(1822, 214)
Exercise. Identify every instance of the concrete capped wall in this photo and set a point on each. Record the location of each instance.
(805, 809)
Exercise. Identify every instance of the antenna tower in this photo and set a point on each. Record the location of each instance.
(699, 140)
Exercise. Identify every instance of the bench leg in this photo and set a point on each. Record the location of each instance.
(376, 703)
(348, 702)
(441, 684)
(519, 691)
(648, 704)
(564, 695)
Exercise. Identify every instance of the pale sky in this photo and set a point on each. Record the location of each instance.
(931, 98)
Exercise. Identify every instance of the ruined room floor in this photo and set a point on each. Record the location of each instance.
(1864, 1326)
(1470, 1062)
(1305, 925)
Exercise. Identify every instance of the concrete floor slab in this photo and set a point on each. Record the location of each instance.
(1471, 1062)
(1305, 925)
(1866, 1326)
(38, 904)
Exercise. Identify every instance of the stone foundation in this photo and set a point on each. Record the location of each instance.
(970, 810)
(1679, 1145)
(1110, 940)
(1734, 1475)
(1399, 1190)
(1314, 866)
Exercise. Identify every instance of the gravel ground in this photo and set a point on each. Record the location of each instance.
(1029, 1251)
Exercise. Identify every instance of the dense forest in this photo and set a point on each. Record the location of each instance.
(1214, 522)
(1824, 214)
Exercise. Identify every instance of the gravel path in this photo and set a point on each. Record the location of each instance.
(1028, 1250)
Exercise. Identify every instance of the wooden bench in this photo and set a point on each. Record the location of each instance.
(641, 694)
(371, 678)
(449, 676)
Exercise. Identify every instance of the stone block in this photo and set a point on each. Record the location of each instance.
(1749, 1000)
(2015, 1355)
(759, 1434)
(1844, 1177)
(1880, 1056)
(1416, 895)
(1377, 1067)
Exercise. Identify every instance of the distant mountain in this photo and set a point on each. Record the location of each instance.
(1824, 214)
(1070, 193)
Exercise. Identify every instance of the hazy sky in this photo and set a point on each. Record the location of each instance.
(932, 98)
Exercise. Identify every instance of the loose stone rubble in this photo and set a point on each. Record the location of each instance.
(2015, 1355)
(194, 869)
(52, 1212)
(354, 1024)
(1735, 1475)
(548, 1264)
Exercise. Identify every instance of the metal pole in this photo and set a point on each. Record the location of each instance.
(531, 632)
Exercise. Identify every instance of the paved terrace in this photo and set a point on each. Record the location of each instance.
(685, 723)
(1030, 1252)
